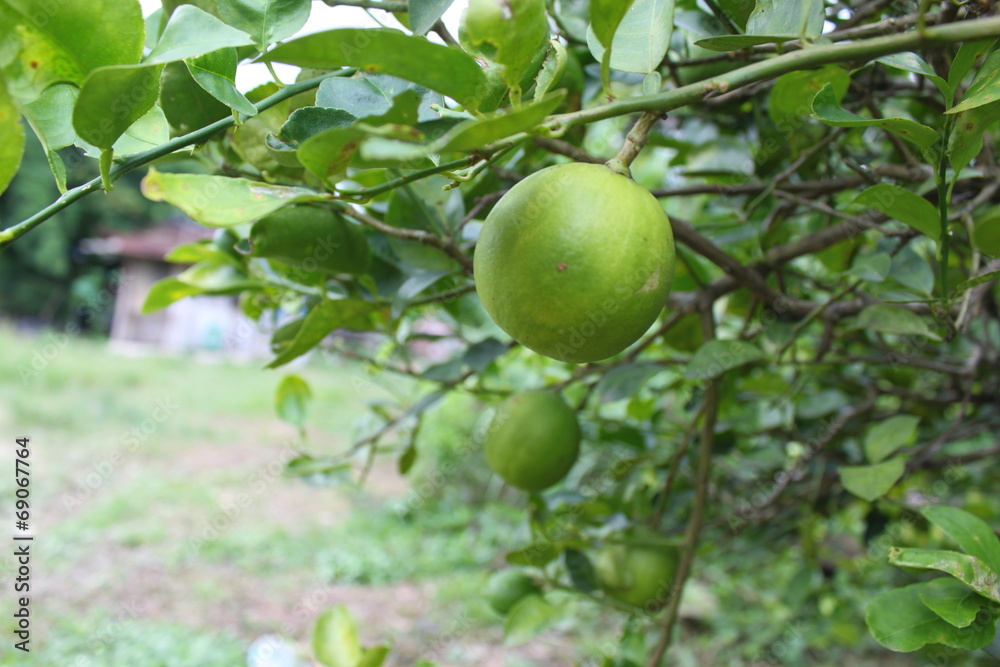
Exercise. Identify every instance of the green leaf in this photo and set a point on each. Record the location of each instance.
(87, 34)
(11, 138)
(827, 109)
(215, 72)
(899, 621)
(552, 68)
(167, 291)
(307, 466)
(624, 381)
(266, 21)
(789, 102)
(291, 400)
(517, 28)
(323, 319)
(219, 201)
(373, 95)
(307, 121)
(885, 318)
(971, 534)
(978, 280)
(901, 204)
(425, 13)
(187, 105)
(874, 481)
(335, 638)
(718, 356)
(530, 616)
(642, 38)
(605, 16)
(985, 88)
(970, 570)
(477, 133)
(373, 657)
(873, 268)
(967, 56)
(441, 68)
(966, 140)
(482, 354)
(953, 601)
(911, 62)
(51, 117)
(407, 460)
(773, 21)
(534, 555)
(886, 437)
(148, 132)
(192, 32)
(112, 99)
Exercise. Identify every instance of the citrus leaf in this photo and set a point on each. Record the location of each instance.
(335, 638)
(971, 534)
(167, 291)
(985, 88)
(874, 481)
(885, 318)
(970, 570)
(219, 201)
(517, 28)
(966, 140)
(899, 621)
(718, 356)
(215, 72)
(373, 95)
(266, 21)
(911, 62)
(425, 13)
(191, 32)
(967, 55)
(291, 400)
(530, 616)
(186, 104)
(11, 138)
(953, 601)
(827, 109)
(373, 657)
(319, 323)
(623, 381)
(788, 103)
(112, 99)
(552, 68)
(441, 68)
(773, 21)
(642, 38)
(87, 33)
(901, 204)
(51, 117)
(886, 437)
(473, 134)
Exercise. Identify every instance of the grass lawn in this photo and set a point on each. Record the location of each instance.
(165, 533)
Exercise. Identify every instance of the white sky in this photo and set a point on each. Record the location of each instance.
(323, 17)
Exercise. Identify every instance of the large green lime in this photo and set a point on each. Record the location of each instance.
(533, 440)
(311, 238)
(640, 571)
(575, 262)
(506, 588)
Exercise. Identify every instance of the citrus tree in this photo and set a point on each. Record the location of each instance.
(725, 270)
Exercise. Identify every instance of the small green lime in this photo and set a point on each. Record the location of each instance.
(311, 238)
(575, 262)
(638, 571)
(533, 440)
(506, 588)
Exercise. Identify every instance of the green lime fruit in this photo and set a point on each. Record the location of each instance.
(506, 588)
(533, 440)
(311, 238)
(575, 262)
(638, 571)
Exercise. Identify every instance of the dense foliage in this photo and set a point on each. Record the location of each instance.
(819, 397)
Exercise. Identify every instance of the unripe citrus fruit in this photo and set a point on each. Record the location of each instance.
(575, 262)
(311, 238)
(639, 572)
(506, 588)
(533, 440)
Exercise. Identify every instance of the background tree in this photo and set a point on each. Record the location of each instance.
(822, 381)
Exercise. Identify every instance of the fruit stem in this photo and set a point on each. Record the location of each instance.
(634, 142)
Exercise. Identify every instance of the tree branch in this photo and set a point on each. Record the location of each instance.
(444, 244)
